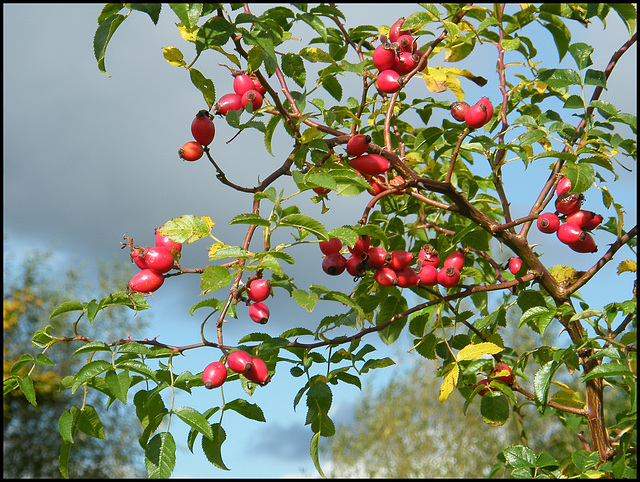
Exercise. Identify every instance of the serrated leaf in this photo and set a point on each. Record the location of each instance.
(315, 54)
(542, 382)
(471, 352)
(212, 447)
(195, 420)
(449, 382)
(26, 385)
(89, 371)
(66, 424)
(213, 278)
(24, 359)
(305, 300)
(250, 218)
(102, 36)
(66, 307)
(89, 423)
(269, 131)
(303, 221)
(246, 409)
(315, 444)
(519, 456)
(204, 85)
(215, 32)
(91, 348)
(558, 78)
(118, 384)
(612, 369)
(138, 367)
(174, 56)
(160, 456)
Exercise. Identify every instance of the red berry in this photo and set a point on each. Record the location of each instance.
(407, 277)
(378, 257)
(361, 246)
(376, 185)
(321, 191)
(514, 265)
(568, 203)
(455, 259)
(355, 266)
(358, 144)
(229, 102)
(405, 42)
(388, 81)
(548, 223)
(570, 233)
(242, 83)
(595, 222)
(404, 63)
(502, 372)
(202, 128)
(259, 312)
(164, 242)
(258, 290)
(386, 276)
(428, 275)
(383, 57)
(564, 185)
(214, 375)
(448, 277)
(239, 361)
(395, 31)
(158, 259)
(334, 264)
(429, 255)
(586, 245)
(459, 110)
(476, 116)
(333, 245)
(400, 259)
(257, 85)
(191, 151)
(484, 391)
(137, 256)
(370, 164)
(146, 281)
(487, 103)
(258, 372)
(583, 218)
(252, 96)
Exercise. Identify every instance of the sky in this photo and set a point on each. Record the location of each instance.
(87, 158)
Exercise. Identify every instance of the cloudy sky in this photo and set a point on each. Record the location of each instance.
(88, 158)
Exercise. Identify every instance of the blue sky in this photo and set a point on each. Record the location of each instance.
(88, 158)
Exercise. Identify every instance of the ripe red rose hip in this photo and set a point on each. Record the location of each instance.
(484, 391)
(459, 110)
(386, 276)
(568, 203)
(514, 265)
(164, 242)
(252, 96)
(455, 259)
(191, 151)
(259, 312)
(377, 257)
(487, 103)
(584, 218)
(564, 185)
(548, 223)
(570, 233)
(370, 164)
(388, 81)
(407, 277)
(229, 102)
(333, 245)
(429, 255)
(239, 361)
(146, 281)
(334, 264)
(242, 83)
(400, 259)
(258, 290)
(257, 85)
(476, 116)
(137, 256)
(404, 63)
(428, 275)
(158, 259)
(586, 245)
(362, 245)
(502, 372)
(405, 42)
(214, 375)
(258, 372)
(358, 144)
(202, 128)
(355, 266)
(448, 277)
(383, 57)
(396, 30)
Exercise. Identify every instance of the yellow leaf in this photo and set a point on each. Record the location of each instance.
(454, 85)
(188, 35)
(208, 221)
(174, 56)
(215, 247)
(449, 382)
(435, 80)
(471, 352)
(540, 87)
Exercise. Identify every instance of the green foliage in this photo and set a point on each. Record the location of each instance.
(435, 193)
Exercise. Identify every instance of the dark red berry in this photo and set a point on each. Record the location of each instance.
(396, 30)
(487, 103)
(370, 164)
(378, 257)
(358, 144)
(404, 63)
(400, 259)
(459, 110)
(361, 246)
(428, 275)
(595, 222)
(258, 290)
(429, 255)
(202, 128)
(257, 85)
(514, 265)
(214, 375)
(252, 96)
(146, 281)
(334, 264)
(405, 42)
(164, 242)
(333, 245)
(242, 83)
(259, 312)
(548, 223)
(583, 218)
(158, 259)
(564, 185)
(355, 266)
(229, 102)
(407, 277)
(476, 116)
(586, 245)
(568, 203)
(502, 372)
(386, 276)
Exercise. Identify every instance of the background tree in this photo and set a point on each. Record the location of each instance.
(440, 185)
(33, 288)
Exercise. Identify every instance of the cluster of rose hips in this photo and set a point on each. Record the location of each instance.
(392, 268)
(571, 224)
(258, 290)
(203, 131)
(239, 361)
(501, 372)
(475, 115)
(396, 56)
(153, 263)
(246, 88)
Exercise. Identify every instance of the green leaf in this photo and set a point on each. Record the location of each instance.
(186, 229)
(67, 422)
(26, 385)
(558, 78)
(494, 408)
(582, 175)
(416, 21)
(195, 420)
(305, 300)
(230, 252)
(63, 459)
(519, 456)
(389, 308)
(24, 359)
(269, 131)
(542, 381)
(91, 347)
(119, 384)
(151, 9)
(315, 54)
(41, 359)
(561, 33)
(212, 447)
(102, 36)
(246, 409)
(315, 444)
(305, 222)
(331, 85)
(214, 32)
(160, 456)
(138, 367)
(89, 371)
(628, 14)
(581, 53)
(250, 218)
(376, 363)
(612, 369)
(204, 85)
(595, 77)
(66, 307)
(89, 423)
(213, 278)
(188, 13)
